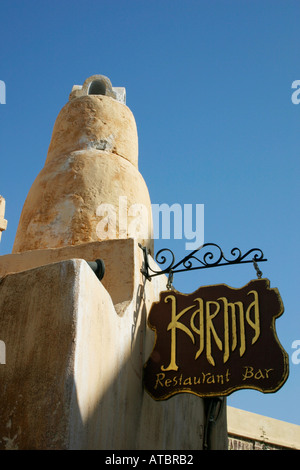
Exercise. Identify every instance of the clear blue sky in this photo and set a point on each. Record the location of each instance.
(209, 83)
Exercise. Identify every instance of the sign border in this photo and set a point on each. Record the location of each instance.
(231, 389)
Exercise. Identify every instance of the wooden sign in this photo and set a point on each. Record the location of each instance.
(215, 341)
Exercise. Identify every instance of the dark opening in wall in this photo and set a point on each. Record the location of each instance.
(97, 87)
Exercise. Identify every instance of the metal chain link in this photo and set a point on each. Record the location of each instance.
(170, 281)
(258, 271)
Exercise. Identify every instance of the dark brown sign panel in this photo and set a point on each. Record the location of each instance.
(215, 341)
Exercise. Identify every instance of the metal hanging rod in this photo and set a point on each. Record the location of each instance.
(209, 255)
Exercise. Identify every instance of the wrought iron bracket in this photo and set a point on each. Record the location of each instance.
(209, 255)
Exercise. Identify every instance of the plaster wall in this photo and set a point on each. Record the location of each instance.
(258, 431)
(73, 372)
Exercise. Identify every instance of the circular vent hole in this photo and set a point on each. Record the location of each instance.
(97, 87)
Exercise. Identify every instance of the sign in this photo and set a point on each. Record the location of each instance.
(215, 341)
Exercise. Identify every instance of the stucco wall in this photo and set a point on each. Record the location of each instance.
(73, 372)
(251, 431)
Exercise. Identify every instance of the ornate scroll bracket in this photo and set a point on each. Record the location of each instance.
(209, 255)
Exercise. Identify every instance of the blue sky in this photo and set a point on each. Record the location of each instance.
(209, 83)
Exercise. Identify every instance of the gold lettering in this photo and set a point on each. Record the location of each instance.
(220, 379)
(248, 373)
(159, 378)
(173, 325)
(200, 330)
(203, 377)
(210, 329)
(188, 381)
(267, 372)
(211, 379)
(232, 306)
(207, 333)
(255, 322)
(259, 375)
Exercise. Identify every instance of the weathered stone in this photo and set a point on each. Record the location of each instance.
(118, 256)
(94, 118)
(92, 161)
(73, 372)
(98, 85)
(248, 430)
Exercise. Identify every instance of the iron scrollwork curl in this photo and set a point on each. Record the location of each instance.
(161, 259)
(209, 255)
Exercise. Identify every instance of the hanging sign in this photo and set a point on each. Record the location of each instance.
(215, 341)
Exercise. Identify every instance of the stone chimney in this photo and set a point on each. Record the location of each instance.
(90, 188)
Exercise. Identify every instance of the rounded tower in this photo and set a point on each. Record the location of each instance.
(90, 188)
